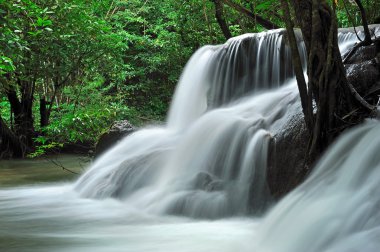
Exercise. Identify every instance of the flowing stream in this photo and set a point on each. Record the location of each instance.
(199, 182)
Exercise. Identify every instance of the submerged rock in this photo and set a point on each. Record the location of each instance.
(118, 130)
(207, 182)
(202, 180)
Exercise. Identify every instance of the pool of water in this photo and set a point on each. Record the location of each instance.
(52, 168)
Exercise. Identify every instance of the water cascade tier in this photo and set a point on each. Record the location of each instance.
(199, 182)
(210, 159)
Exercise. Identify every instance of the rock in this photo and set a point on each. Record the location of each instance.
(289, 144)
(363, 75)
(118, 130)
(207, 182)
(362, 54)
(286, 154)
(216, 185)
(363, 71)
(78, 147)
(202, 180)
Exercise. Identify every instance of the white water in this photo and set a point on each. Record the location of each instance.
(206, 162)
(160, 188)
(337, 208)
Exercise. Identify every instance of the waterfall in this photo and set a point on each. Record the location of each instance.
(210, 160)
(218, 75)
(198, 183)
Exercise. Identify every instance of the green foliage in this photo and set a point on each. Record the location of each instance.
(5, 109)
(44, 148)
(348, 13)
(101, 61)
(6, 65)
(82, 126)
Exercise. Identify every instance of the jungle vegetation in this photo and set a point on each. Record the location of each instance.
(70, 68)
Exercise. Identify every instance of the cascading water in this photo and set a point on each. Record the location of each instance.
(209, 162)
(337, 208)
(210, 159)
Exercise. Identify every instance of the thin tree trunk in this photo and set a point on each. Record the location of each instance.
(219, 15)
(306, 101)
(367, 35)
(44, 118)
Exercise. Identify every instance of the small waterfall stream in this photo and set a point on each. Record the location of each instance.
(199, 182)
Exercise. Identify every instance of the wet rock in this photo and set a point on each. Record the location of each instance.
(207, 182)
(363, 71)
(119, 130)
(78, 148)
(364, 75)
(202, 180)
(362, 54)
(216, 185)
(286, 154)
(289, 144)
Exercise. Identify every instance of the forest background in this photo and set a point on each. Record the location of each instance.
(70, 68)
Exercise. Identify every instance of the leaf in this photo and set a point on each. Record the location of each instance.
(34, 33)
(264, 5)
(43, 22)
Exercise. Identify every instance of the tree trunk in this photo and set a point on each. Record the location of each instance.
(44, 117)
(327, 81)
(219, 15)
(367, 35)
(23, 115)
(306, 102)
(10, 144)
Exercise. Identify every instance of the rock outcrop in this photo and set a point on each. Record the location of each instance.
(286, 156)
(288, 147)
(118, 130)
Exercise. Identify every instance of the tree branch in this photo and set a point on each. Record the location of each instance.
(367, 35)
(262, 21)
(307, 107)
(219, 15)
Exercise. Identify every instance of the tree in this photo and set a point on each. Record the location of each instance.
(327, 84)
(257, 18)
(10, 144)
(219, 15)
(46, 46)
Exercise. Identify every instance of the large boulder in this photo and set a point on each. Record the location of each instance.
(363, 69)
(286, 156)
(363, 54)
(118, 130)
(363, 75)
